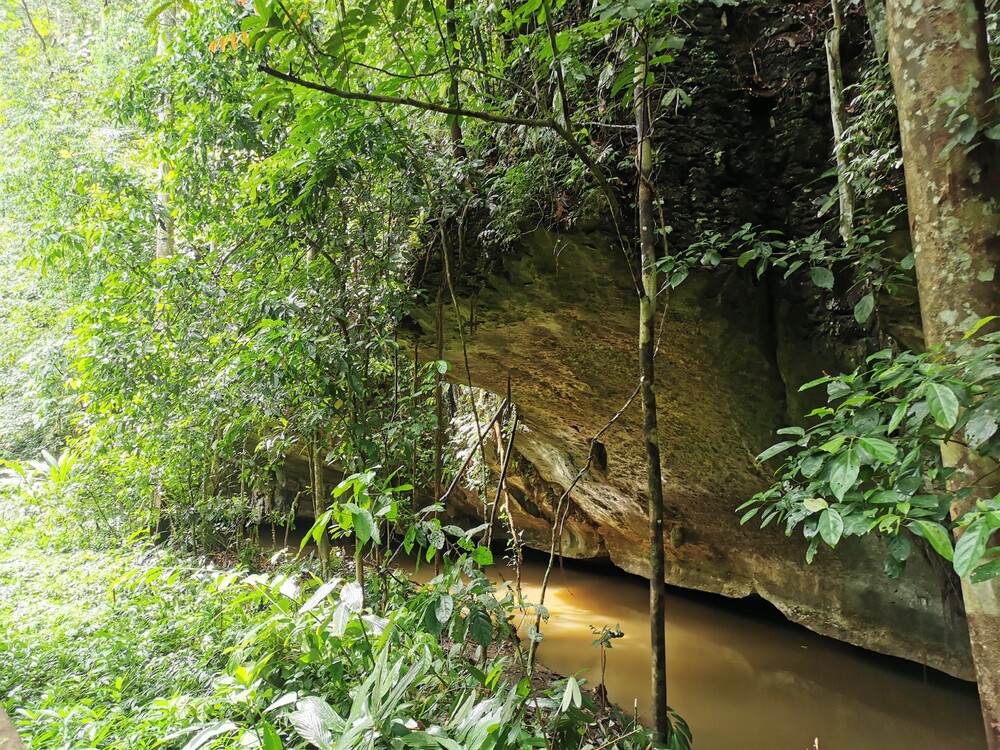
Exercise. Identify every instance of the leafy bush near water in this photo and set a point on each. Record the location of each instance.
(871, 460)
(138, 648)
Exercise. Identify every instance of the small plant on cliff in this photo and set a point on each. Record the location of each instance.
(766, 250)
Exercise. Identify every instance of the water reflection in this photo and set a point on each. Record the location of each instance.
(745, 682)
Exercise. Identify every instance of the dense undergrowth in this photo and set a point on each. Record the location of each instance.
(137, 646)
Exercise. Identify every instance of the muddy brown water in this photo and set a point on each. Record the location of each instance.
(744, 678)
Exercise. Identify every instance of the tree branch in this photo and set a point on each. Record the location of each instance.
(31, 22)
(406, 101)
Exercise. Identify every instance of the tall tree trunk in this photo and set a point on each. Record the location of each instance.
(439, 410)
(164, 221)
(875, 10)
(319, 503)
(647, 316)
(941, 74)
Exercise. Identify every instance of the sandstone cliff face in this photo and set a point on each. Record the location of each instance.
(561, 319)
(559, 316)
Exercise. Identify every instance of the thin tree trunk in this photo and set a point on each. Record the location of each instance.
(164, 221)
(439, 413)
(451, 37)
(838, 112)
(875, 10)
(647, 313)
(319, 506)
(941, 74)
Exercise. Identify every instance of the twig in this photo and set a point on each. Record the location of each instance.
(465, 464)
(31, 21)
(556, 525)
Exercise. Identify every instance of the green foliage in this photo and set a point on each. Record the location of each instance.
(55, 155)
(768, 249)
(138, 649)
(875, 167)
(871, 461)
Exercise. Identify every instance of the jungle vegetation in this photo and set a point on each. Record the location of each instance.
(215, 221)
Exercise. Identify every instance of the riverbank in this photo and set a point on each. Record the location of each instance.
(137, 647)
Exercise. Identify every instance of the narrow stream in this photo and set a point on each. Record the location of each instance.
(744, 679)
(747, 681)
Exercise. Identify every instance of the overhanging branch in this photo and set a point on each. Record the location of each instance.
(406, 101)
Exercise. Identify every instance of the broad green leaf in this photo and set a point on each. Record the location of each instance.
(971, 547)
(986, 571)
(898, 413)
(435, 538)
(482, 556)
(936, 534)
(352, 597)
(837, 389)
(480, 626)
(831, 526)
(943, 404)
(834, 445)
(796, 431)
(281, 701)
(822, 277)
(811, 465)
(269, 738)
(863, 310)
(881, 450)
(980, 427)
(844, 472)
(444, 607)
(317, 530)
(364, 526)
(774, 450)
(319, 595)
(900, 548)
(813, 383)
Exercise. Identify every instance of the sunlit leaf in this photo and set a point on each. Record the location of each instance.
(943, 404)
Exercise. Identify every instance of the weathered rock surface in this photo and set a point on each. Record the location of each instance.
(561, 321)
